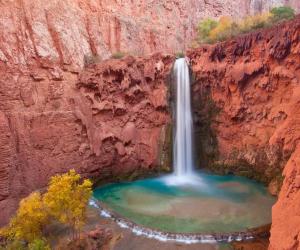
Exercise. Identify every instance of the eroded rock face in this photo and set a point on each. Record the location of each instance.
(285, 232)
(124, 112)
(66, 32)
(109, 122)
(247, 113)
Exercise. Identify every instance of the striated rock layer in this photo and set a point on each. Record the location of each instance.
(53, 32)
(247, 116)
(110, 121)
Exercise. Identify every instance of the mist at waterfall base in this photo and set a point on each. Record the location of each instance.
(189, 201)
(183, 163)
(183, 166)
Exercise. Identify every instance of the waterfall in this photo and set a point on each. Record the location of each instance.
(182, 147)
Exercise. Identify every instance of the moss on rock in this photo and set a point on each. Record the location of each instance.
(206, 143)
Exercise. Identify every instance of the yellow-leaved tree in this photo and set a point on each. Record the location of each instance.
(66, 199)
(258, 21)
(29, 221)
(224, 30)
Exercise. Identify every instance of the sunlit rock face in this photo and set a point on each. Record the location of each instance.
(246, 99)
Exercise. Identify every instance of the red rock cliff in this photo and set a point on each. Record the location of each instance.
(110, 118)
(108, 122)
(247, 114)
(56, 32)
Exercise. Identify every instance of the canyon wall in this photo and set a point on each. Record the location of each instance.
(58, 112)
(247, 111)
(54, 32)
(111, 121)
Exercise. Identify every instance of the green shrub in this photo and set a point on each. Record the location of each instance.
(39, 244)
(204, 28)
(282, 13)
(180, 55)
(118, 55)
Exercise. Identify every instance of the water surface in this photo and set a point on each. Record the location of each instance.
(201, 203)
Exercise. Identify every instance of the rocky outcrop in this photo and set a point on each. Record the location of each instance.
(109, 122)
(124, 112)
(246, 101)
(99, 238)
(285, 232)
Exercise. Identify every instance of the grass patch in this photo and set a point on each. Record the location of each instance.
(118, 55)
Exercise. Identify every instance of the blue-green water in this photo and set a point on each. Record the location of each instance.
(201, 203)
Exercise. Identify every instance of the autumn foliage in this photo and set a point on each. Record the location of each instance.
(67, 198)
(65, 202)
(30, 219)
(210, 31)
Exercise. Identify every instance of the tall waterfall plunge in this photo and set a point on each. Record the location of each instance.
(183, 145)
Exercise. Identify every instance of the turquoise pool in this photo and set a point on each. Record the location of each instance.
(202, 203)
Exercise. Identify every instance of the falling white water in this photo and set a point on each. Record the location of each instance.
(182, 148)
(183, 144)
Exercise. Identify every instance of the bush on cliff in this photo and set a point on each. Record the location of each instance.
(211, 31)
(254, 22)
(65, 202)
(282, 13)
(39, 244)
(118, 55)
(91, 59)
(205, 27)
(225, 29)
